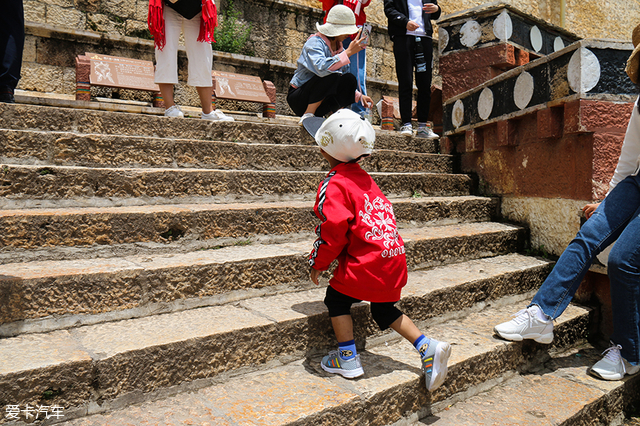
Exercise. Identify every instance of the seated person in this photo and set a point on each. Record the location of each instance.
(322, 83)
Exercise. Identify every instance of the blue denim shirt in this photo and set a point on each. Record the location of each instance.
(318, 59)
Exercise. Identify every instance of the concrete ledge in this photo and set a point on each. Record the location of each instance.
(392, 388)
(47, 295)
(147, 354)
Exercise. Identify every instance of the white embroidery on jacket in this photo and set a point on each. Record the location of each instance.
(379, 216)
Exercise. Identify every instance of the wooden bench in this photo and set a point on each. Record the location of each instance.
(94, 69)
(245, 88)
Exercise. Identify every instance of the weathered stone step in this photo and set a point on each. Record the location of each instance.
(300, 392)
(55, 119)
(555, 392)
(55, 186)
(70, 149)
(49, 295)
(31, 228)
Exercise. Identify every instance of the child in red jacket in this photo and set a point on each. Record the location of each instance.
(359, 230)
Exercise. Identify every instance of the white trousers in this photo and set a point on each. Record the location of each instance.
(200, 55)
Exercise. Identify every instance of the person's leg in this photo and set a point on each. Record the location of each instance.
(345, 361)
(624, 275)
(358, 68)
(597, 233)
(622, 357)
(309, 96)
(433, 354)
(11, 47)
(423, 83)
(557, 291)
(166, 73)
(340, 95)
(403, 53)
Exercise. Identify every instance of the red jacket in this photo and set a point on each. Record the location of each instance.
(359, 229)
(361, 18)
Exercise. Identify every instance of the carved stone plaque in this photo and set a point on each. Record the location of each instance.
(114, 71)
(239, 87)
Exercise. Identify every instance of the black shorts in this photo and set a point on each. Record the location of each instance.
(384, 314)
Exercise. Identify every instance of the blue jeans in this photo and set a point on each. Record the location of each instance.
(617, 218)
(358, 67)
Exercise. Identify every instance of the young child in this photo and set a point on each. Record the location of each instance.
(359, 229)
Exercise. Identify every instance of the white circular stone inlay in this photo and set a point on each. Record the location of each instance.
(470, 34)
(503, 26)
(583, 71)
(485, 103)
(558, 44)
(523, 90)
(536, 38)
(457, 115)
(443, 39)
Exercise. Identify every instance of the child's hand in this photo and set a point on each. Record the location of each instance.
(366, 101)
(314, 276)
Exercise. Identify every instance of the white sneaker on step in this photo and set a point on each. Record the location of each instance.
(612, 366)
(173, 111)
(216, 115)
(526, 325)
(306, 115)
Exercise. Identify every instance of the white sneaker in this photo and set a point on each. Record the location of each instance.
(526, 325)
(216, 115)
(406, 130)
(306, 115)
(173, 111)
(612, 366)
(426, 132)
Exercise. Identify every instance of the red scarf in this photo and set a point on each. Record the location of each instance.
(155, 20)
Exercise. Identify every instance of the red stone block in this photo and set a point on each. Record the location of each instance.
(473, 140)
(269, 110)
(550, 123)
(499, 56)
(446, 146)
(506, 133)
(590, 116)
(521, 57)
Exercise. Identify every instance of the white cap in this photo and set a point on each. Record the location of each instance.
(340, 21)
(346, 136)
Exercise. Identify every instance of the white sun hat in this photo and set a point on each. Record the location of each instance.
(340, 21)
(346, 136)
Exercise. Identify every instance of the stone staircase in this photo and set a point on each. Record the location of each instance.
(153, 271)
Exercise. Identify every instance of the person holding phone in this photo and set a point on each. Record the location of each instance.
(411, 32)
(322, 83)
(358, 65)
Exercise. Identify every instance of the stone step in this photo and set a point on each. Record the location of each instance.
(30, 228)
(56, 186)
(56, 119)
(556, 392)
(44, 295)
(299, 392)
(70, 149)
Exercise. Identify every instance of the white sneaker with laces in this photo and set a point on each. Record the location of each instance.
(426, 132)
(216, 115)
(306, 115)
(173, 111)
(526, 325)
(612, 366)
(406, 130)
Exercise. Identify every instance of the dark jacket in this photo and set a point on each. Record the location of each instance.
(397, 12)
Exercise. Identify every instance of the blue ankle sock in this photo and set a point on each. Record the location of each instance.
(347, 349)
(422, 344)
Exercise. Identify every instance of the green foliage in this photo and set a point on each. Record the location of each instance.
(416, 194)
(231, 34)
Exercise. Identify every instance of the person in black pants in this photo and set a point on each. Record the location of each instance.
(411, 32)
(11, 46)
